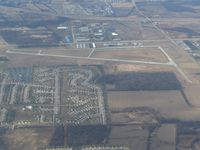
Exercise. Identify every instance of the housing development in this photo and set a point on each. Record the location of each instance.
(54, 95)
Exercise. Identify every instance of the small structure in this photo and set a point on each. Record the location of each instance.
(62, 28)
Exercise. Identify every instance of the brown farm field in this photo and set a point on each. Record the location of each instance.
(169, 9)
(164, 138)
(169, 104)
(30, 138)
(129, 135)
(138, 54)
(180, 29)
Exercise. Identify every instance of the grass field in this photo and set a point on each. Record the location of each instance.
(75, 52)
(140, 53)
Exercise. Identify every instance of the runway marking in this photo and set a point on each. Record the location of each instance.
(92, 51)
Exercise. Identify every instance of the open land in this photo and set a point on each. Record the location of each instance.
(80, 73)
